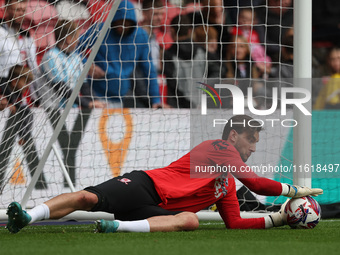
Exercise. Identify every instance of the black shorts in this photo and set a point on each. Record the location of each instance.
(129, 197)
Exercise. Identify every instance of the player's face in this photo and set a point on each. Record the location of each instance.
(245, 144)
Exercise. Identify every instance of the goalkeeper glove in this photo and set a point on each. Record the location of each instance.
(295, 191)
(279, 218)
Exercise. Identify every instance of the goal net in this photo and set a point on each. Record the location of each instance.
(82, 92)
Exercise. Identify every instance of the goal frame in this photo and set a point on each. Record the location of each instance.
(302, 133)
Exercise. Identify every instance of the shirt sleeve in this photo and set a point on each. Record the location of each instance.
(229, 209)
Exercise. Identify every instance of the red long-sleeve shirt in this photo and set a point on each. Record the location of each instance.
(182, 188)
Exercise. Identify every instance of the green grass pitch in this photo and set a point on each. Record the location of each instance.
(210, 238)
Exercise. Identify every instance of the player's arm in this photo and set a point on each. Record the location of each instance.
(268, 187)
(229, 209)
(265, 186)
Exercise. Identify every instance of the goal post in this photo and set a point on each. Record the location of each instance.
(71, 100)
(303, 79)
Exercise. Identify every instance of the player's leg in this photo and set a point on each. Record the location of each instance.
(136, 207)
(55, 208)
(184, 221)
(229, 210)
(180, 222)
(64, 204)
(150, 219)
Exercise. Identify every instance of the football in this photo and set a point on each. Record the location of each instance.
(304, 212)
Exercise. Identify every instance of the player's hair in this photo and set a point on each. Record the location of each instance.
(64, 28)
(241, 124)
(148, 4)
(19, 72)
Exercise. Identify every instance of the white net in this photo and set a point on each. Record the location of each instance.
(153, 55)
(44, 51)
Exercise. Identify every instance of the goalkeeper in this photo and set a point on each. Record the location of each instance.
(166, 199)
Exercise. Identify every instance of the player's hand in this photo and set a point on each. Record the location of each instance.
(280, 218)
(296, 191)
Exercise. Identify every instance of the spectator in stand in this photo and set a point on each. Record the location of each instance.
(207, 38)
(61, 67)
(247, 28)
(153, 18)
(185, 64)
(326, 22)
(239, 61)
(284, 70)
(274, 20)
(329, 95)
(233, 7)
(19, 122)
(13, 97)
(125, 46)
(212, 13)
(16, 45)
(326, 32)
(242, 70)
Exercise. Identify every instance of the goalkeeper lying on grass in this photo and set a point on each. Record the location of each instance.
(166, 199)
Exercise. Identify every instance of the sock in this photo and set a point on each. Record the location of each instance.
(40, 212)
(133, 226)
(268, 222)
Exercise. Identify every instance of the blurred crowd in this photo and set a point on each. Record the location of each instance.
(156, 52)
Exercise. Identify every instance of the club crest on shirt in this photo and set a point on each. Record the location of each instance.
(124, 180)
(220, 145)
(221, 184)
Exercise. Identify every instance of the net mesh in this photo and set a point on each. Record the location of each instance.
(153, 55)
